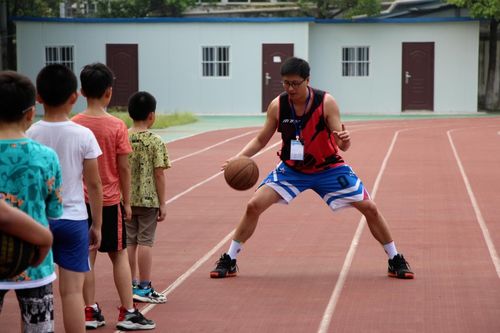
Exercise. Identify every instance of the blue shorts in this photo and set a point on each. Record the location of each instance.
(71, 244)
(338, 187)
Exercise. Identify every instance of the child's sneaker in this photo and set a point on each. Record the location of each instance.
(399, 268)
(148, 295)
(226, 267)
(93, 318)
(133, 321)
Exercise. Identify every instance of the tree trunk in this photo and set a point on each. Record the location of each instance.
(492, 101)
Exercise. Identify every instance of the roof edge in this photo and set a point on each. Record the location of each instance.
(398, 20)
(164, 19)
(243, 20)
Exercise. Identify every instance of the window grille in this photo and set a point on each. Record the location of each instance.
(215, 61)
(356, 61)
(60, 55)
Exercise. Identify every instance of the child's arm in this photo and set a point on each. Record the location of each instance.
(92, 180)
(17, 223)
(124, 172)
(160, 190)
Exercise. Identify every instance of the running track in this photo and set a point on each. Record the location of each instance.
(307, 270)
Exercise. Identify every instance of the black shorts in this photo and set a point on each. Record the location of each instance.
(114, 234)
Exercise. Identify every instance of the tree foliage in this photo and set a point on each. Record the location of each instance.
(143, 8)
(47, 8)
(345, 8)
(490, 10)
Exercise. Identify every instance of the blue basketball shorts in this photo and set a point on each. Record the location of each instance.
(338, 187)
(71, 244)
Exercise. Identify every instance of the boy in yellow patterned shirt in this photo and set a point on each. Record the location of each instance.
(148, 162)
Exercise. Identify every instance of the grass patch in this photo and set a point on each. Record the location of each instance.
(162, 120)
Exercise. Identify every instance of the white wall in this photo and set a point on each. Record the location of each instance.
(170, 58)
(455, 66)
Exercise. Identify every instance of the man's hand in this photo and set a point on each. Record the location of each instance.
(343, 135)
(224, 165)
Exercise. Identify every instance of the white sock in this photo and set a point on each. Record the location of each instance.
(390, 249)
(234, 249)
(95, 307)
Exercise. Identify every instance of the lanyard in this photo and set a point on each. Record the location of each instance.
(298, 128)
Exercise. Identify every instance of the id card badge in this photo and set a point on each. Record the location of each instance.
(296, 150)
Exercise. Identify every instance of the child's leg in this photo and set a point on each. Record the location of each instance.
(132, 229)
(145, 260)
(132, 259)
(71, 254)
(147, 222)
(89, 281)
(70, 288)
(37, 309)
(122, 277)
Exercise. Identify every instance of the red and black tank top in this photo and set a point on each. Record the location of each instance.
(320, 148)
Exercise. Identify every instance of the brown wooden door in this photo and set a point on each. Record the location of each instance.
(273, 55)
(418, 76)
(123, 61)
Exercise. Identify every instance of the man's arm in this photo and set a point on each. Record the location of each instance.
(332, 118)
(92, 180)
(124, 173)
(265, 134)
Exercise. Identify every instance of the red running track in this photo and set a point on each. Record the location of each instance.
(307, 269)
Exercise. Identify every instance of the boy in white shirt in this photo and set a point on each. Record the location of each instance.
(77, 149)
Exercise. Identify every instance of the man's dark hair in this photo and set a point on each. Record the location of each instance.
(55, 84)
(140, 105)
(295, 66)
(95, 79)
(17, 95)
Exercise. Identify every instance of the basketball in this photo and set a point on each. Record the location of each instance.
(241, 173)
(15, 255)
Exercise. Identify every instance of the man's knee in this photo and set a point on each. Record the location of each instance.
(254, 208)
(369, 209)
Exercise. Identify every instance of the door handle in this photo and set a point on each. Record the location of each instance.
(407, 77)
(267, 77)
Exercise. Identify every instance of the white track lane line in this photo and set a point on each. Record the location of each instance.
(339, 285)
(216, 248)
(214, 145)
(475, 206)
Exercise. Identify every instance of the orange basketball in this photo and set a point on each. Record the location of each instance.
(241, 173)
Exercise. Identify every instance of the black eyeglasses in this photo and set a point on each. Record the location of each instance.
(293, 84)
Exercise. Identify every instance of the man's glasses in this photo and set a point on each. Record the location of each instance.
(293, 84)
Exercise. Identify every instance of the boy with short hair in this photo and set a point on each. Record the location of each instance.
(112, 136)
(78, 150)
(30, 179)
(148, 162)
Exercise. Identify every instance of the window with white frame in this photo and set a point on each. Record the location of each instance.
(215, 61)
(63, 55)
(356, 61)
